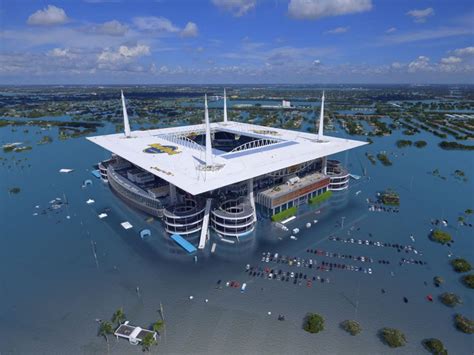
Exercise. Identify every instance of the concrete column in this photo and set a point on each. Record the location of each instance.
(173, 196)
(324, 162)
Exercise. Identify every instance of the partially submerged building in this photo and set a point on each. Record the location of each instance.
(223, 176)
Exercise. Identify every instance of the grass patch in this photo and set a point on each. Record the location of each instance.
(320, 198)
(284, 214)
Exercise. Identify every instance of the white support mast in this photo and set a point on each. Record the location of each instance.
(225, 107)
(321, 120)
(208, 134)
(126, 124)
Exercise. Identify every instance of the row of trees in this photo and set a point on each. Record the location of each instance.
(314, 323)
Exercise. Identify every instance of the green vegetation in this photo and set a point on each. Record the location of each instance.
(351, 326)
(434, 346)
(371, 158)
(464, 324)
(402, 143)
(455, 146)
(420, 144)
(468, 280)
(440, 236)
(320, 198)
(450, 299)
(45, 140)
(438, 281)
(390, 198)
(284, 214)
(313, 323)
(469, 211)
(119, 316)
(147, 342)
(384, 159)
(158, 325)
(461, 265)
(14, 190)
(393, 337)
(105, 329)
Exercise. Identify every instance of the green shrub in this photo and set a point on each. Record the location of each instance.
(450, 299)
(440, 236)
(468, 280)
(320, 198)
(393, 337)
(313, 323)
(435, 346)
(461, 265)
(284, 214)
(351, 326)
(464, 324)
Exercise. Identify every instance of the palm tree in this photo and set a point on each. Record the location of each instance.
(158, 325)
(119, 316)
(105, 329)
(148, 341)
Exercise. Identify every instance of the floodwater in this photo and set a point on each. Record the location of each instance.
(52, 289)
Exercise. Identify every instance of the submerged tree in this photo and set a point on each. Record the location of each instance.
(313, 323)
(158, 325)
(148, 341)
(105, 329)
(434, 346)
(393, 337)
(119, 316)
(351, 326)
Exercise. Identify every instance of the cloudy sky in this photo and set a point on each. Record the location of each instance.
(236, 41)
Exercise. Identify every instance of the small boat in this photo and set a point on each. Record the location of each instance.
(405, 299)
(242, 289)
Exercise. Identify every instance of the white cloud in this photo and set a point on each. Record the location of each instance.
(60, 53)
(391, 30)
(451, 60)
(317, 62)
(396, 65)
(155, 24)
(124, 54)
(468, 51)
(424, 35)
(419, 64)
(315, 9)
(337, 30)
(190, 30)
(110, 28)
(420, 16)
(50, 15)
(237, 7)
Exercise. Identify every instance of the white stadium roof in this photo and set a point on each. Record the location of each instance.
(186, 166)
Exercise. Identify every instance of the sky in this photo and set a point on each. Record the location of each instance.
(236, 41)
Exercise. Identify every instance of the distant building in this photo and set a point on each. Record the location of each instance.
(286, 104)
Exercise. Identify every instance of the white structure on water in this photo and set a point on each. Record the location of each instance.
(222, 173)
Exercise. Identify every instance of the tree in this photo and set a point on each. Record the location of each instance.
(119, 316)
(393, 337)
(158, 325)
(313, 323)
(351, 326)
(105, 328)
(450, 299)
(148, 341)
(464, 324)
(461, 265)
(435, 346)
(468, 280)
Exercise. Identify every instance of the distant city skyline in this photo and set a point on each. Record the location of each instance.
(236, 42)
